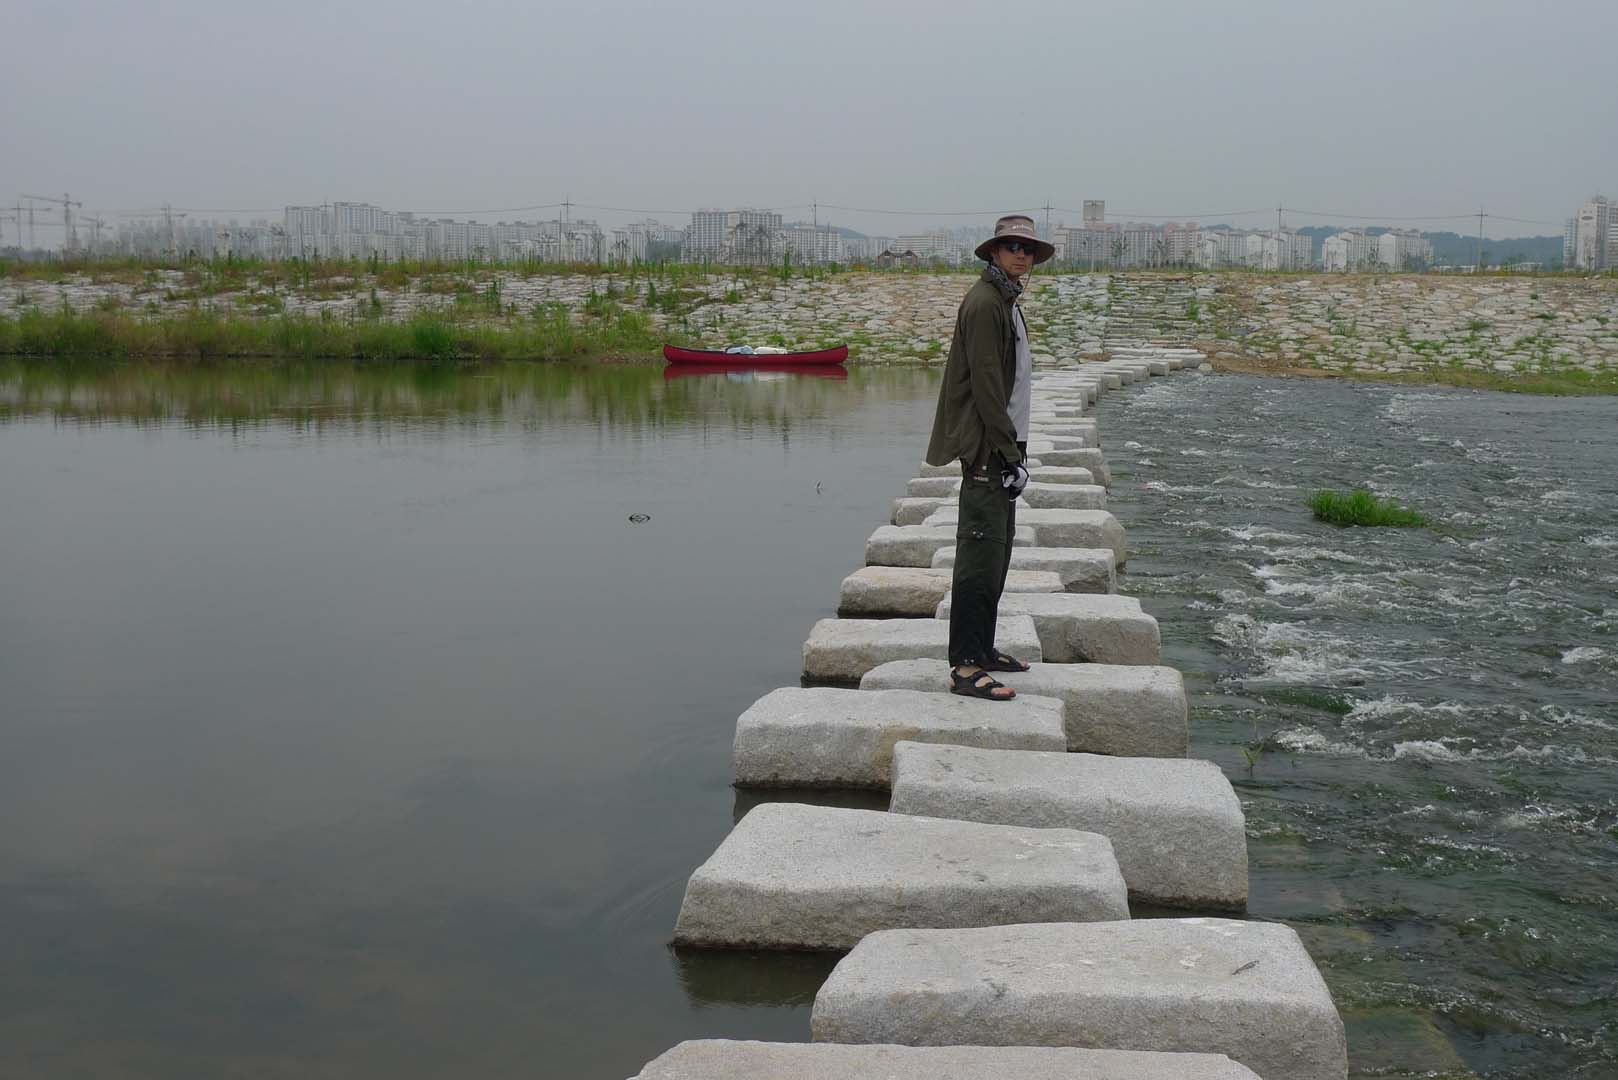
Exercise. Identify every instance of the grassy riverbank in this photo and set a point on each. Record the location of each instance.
(1554, 335)
(550, 332)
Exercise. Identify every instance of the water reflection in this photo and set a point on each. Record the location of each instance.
(844, 798)
(761, 372)
(737, 977)
(335, 396)
(351, 728)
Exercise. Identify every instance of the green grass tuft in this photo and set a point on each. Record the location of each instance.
(1360, 507)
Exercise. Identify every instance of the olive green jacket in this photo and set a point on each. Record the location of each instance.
(974, 414)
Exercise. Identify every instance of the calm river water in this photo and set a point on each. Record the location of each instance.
(352, 728)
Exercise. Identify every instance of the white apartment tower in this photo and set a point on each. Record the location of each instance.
(705, 237)
(1593, 231)
(1401, 249)
(1348, 251)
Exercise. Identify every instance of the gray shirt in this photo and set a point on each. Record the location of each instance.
(1021, 398)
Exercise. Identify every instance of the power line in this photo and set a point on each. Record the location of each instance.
(1170, 217)
(938, 213)
(1383, 217)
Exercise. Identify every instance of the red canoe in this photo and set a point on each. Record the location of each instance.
(718, 356)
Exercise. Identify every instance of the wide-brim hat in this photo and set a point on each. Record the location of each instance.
(1015, 227)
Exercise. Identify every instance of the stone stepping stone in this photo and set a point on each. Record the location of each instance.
(1060, 441)
(726, 1059)
(915, 545)
(793, 876)
(1127, 710)
(1245, 989)
(913, 510)
(842, 650)
(1175, 825)
(934, 486)
(913, 592)
(945, 488)
(821, 737)
(1085, 628)
(1082, 570)
(1043, 496)
(1089, 391)
(1088, 457)
(1055, 528)
(1061, 474)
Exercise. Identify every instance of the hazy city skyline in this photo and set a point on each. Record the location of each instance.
(1390, 111)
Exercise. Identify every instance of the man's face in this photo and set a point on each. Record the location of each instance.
(1014, 263)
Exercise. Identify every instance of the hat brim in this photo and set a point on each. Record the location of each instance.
(985, 250)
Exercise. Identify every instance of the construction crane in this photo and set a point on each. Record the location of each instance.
(168, 218)
(96, 225)
(69, 239)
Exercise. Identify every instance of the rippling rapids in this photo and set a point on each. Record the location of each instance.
(1422, 723)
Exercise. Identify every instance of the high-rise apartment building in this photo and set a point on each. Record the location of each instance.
(1181, 241)
(705, 236)
(733, 235)
(935, 246)
(1593, 232)
(1348, 251)
(1403, 249)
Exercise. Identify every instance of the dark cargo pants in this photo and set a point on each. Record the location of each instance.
(982, 558)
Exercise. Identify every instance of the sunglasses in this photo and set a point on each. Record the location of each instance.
(1017, 247)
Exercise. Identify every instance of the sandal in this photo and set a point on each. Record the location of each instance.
(982, 685)
(1004, 662)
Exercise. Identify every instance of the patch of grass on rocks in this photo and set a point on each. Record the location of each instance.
(1360, 507)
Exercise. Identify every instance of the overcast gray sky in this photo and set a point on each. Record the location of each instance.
(1387, 109)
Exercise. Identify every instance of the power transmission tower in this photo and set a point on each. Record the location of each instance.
(1477, 251)
(1047, 219)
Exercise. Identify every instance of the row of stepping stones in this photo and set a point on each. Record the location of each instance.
(985, 917)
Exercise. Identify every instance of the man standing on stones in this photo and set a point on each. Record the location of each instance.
(982, 422)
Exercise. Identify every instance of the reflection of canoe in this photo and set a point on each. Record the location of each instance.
(756, 364)
(676, 355)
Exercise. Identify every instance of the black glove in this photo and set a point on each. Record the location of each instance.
(1014, 478)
